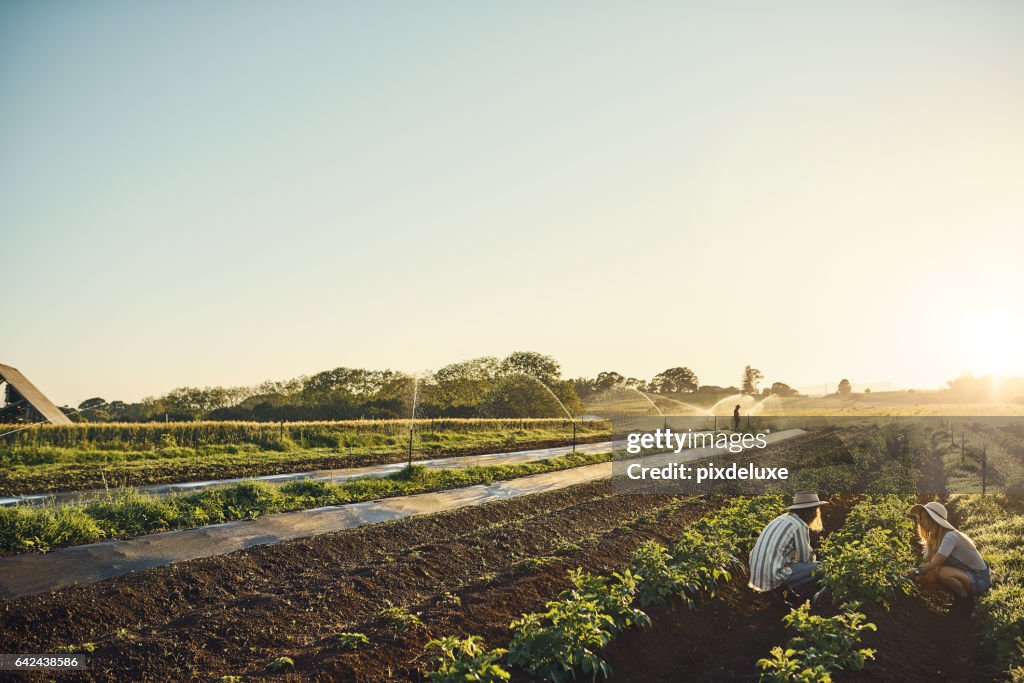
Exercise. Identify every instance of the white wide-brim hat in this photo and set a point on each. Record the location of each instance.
(806, 499)
(937, 511)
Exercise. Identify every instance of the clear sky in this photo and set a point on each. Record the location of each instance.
(218, 193)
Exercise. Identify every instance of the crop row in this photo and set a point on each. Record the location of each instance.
(32, 469)
(330, 434)
(568, 637)
(130, 513)
(868, 559)
(996, 524)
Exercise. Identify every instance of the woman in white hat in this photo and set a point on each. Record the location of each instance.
(952, 562)
(782, 555)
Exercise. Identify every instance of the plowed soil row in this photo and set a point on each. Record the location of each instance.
(236, 613)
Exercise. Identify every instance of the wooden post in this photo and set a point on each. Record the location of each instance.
(410, 444)
(961, 448)
(984, 469)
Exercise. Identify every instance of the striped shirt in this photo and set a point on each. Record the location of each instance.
(785, 540)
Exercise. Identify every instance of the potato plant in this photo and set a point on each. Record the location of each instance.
(822, 645)
(568, 637)
(830, 641)
(553, 645)
(465, 660)
(613, 595)
(787, 665)
(868, 559)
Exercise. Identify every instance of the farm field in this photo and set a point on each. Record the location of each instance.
(241, 610)
(366, 604)
(128, 514)
(877, 404)
(87, 456)
(473, 571)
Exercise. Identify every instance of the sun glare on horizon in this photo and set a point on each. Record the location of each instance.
(992, 343)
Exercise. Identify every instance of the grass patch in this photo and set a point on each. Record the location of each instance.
(996, 523)
(128, 513)
(99, 460)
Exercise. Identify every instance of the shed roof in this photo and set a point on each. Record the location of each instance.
(35, 397)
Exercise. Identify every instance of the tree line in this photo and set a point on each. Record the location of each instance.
(523, 384)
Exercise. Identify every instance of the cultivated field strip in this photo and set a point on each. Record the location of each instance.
(229, 614)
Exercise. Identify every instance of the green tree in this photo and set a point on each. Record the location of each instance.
(675, 380)
(462, 386)
(94, 409)
(544, 368)
(608, 380)
(845, 387)
(92, 403)
(783, 389)
(520, 396)
(751, 377)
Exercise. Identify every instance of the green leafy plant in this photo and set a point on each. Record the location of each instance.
(449, 598)
(528, 565)
(568, 637)
(868, 559)
(465, 660)
(658, 578)
(996, 523)
(703, 560)
(830, 641)
(788, 666)
(401, 619)
(613, 595)
(352, 641)
(75, 649)
(281, 663)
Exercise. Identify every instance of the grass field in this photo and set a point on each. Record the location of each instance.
(85, 456)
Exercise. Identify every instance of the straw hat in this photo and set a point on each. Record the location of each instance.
(806, 499)
(935, 510)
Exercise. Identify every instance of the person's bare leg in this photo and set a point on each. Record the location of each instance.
(955, 581)
(930, 580)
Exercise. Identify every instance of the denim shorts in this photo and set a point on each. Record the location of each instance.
(981, 579)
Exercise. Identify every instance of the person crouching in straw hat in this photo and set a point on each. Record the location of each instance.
(952, 562)
(782, 556)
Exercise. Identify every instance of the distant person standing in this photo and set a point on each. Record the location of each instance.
(736, 418)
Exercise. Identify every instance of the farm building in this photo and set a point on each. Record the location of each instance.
(23, 402)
